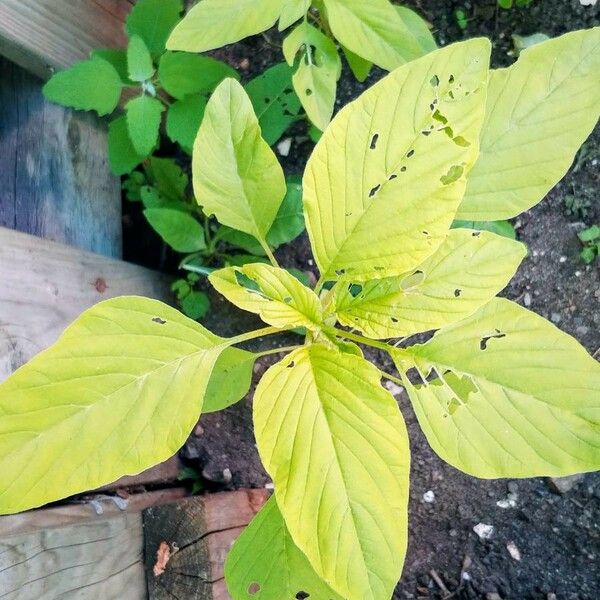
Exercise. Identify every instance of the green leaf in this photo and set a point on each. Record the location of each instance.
(318, 69)
(230, 380)
(183, 120)
(539, 113)
(334, 442)
(122, 156)
(178, 229)
(236, 175)
(182, 74)
(143, 123)
(211, 24)
(242, 240)
(88, 85)
(418, 27)
(376, 203)
(239, 260)
(118, 393)
(508, 395)
(359, 66)
(153, 21)
(289, 222)
(590, 234)
(169, 177)
(292, 11)
(266, 553)
(590, 253)
(152, 198)
(139, 61)
(195, 305)
(503, 228)
(373, 30)
(278, 297)
(465, 273)
(117, 58)
(275, 103)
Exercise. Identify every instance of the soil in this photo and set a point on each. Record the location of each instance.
(556, 535)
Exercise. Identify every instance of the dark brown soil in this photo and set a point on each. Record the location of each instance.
(557, 535)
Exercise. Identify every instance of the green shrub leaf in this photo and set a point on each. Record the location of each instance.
(143, 123)
(465, 272)
(118, 393)
(236, 175)
(275, 102)
(375, 202)
(266, 553)
(139, 61)
(334, 442)
(539, 113)
(507, 395)
(211, 24)
(92, 84)
(276, 295)
(183, 120)
(178, 229)
(153, 21)
(117, 58)
(418, 27)
(359, 66)
(171, 180)
(182, 74)
(195, 305)
(122, 155)
(292, 11)
(289, 222)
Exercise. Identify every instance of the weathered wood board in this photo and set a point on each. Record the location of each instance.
(197, 534)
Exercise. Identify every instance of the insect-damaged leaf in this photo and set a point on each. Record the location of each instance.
(376, 203)
(276, 295)
(118, 393)
(265, 563)
(334, 442)
(464, 273)
(539, 113)
(507, 395)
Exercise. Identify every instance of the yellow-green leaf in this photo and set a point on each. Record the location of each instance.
(236, 174)
(539, 113)
(211, 24)
(384, 182)
(265, 564)
(359, 66)
(373, 30)
(118, 393)
(418, 27)
(334, 442)
(507, 395)
(466, 271)
(292, 11)
(276, 295)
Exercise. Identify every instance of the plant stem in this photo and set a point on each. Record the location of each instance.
(391, 378)
(357, 338)
(319, 285)
(276, 351)
(269, 253)
(252, 335)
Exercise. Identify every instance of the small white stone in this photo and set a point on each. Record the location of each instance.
(466, 576)
(269, 486)
(310, 262)
(393, 388)
(509, 502)
(513, 550)
(485, 532)
(527, 299)
(562, 259)
(284, 147)
(429, 497)
(587, 2)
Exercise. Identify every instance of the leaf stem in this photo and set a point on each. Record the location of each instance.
(252, 335)
(277, 351)
(269, 253)
(391, 378)
(357, 338)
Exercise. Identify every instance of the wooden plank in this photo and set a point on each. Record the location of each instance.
(196, 535)
(45, 35)
(55, 181)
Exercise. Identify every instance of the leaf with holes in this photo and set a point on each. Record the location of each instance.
(334, 442)
(465, 272)
(118, 393)
(539, 113)
(507, 394)
(376, 202)
(265, 563)
(317, 70)
(215, 23)
(278, 297)
(236, 175)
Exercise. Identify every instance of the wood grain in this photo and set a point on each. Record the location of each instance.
(45, 35)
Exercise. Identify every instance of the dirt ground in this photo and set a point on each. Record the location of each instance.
(556, 535)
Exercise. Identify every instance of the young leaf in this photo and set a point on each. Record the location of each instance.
(230, 380)
(143, 123)
(274, 100)
(169, 177)
(266, 553)
(236, 175)
(334, 442)
(122, 155)
(118, 393)
(466, 271)
(117, 58)
(183, 120)
(178, 229)
(139, 61)
(375, 202)
(373, 30)
(182, 74)
(289, 222)
(359, 66)
(418, 28)
(511, 395)
(278, 297)
(212, 24)
(539, 113)
(195, 305)
(153, 21)
(317, 72)
(92, 84)
(292, 11)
